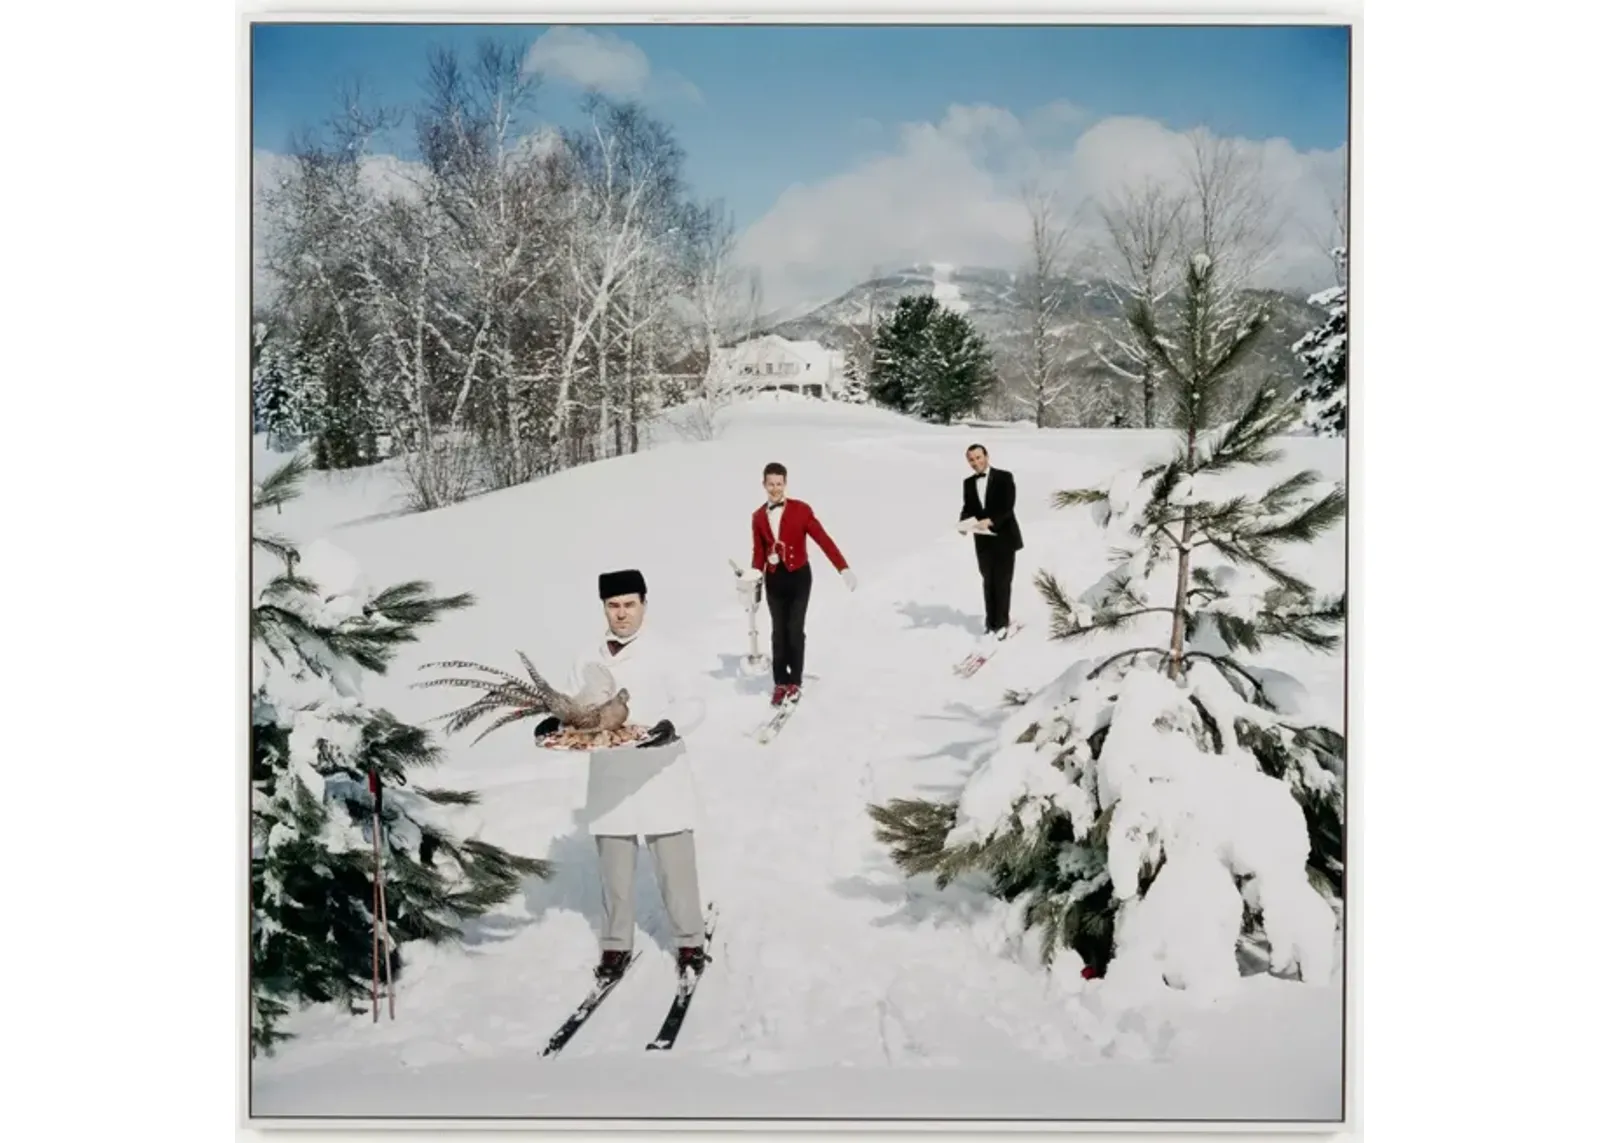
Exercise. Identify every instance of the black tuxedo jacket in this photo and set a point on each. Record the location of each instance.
(1001, 511)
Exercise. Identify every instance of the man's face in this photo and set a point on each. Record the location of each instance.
(624, 614)
(979, 460)
(775, 486)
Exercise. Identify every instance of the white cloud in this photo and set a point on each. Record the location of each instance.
(949, 191)
(603, 61)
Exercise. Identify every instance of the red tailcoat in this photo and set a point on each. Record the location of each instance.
(799, 521)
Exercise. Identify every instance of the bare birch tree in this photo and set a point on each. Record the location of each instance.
(1333, 236)
(1144, 234)
(505, 308)
(716, 284)
(726, 314)
(1042, 297)
(485, 184)
(1220, 208)
(378, 261)
(1233, 219)
(612, 219)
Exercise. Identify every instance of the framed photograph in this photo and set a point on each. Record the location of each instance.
(799, 572)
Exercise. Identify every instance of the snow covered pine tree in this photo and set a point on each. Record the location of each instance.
(1324, 394)
(315, 745)
(1163, 811)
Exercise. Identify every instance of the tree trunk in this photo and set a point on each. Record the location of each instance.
(631, 392)
(603, 356)
(1180, 603)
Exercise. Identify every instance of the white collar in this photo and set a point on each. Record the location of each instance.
(627, 644)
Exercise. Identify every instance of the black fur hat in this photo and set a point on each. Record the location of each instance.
(615, 583)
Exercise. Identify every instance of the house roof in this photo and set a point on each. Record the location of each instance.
(821, 363)
(811, 351)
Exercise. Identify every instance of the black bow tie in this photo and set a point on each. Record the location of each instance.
(774, 507)
(614, 646)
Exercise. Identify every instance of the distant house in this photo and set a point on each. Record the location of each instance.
(773, 363)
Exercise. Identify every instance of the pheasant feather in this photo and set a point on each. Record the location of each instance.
(596, 707)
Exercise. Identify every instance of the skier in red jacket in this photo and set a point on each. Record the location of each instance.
(779, 529)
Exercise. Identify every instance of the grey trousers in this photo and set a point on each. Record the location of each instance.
(676, 873)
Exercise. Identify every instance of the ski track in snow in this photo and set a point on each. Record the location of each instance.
(825, 956)
(945, 291)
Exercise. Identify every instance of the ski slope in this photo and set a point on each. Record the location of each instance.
(838, 989)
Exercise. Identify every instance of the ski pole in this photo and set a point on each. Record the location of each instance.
(380, 918)
(376, 908)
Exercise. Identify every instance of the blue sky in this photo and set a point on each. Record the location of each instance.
(761, 110)
(787, 104)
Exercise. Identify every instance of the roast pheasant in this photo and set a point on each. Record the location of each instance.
(595, 708)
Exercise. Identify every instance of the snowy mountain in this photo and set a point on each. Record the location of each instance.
(838, 986)
(989, 297)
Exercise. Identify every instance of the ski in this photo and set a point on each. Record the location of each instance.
(973, 662)
(776, 722)
(687, 983)
(580, 1014)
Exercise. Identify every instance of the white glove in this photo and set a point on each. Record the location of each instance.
(849, 578)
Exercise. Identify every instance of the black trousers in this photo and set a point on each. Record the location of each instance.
(788, 594)
(997, 563)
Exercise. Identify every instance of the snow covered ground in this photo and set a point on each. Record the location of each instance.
(838, 989)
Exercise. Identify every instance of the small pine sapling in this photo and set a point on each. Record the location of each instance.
(1166, 812)
(316, 748)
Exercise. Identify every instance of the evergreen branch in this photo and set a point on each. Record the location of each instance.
(1161, 492)
(1236, 632)
(1141, 319)
(1306, 525)
(281, 486)
(286, 585)
(1204, 582)
(280, 631)
(1305, 625)
(447, 797)
(1163, 652)
(1230, 515)
(1245, 439)
(390, 619)
(1245, 555)
(1063, 610)
(392, 747)
(1247, 332)
(1117, 620)
(1228, 666)
(410, 604)
(275, 545)
(1074, 496)
(1277, 497)
(915, 831)
(1122, 592)
(502, 864)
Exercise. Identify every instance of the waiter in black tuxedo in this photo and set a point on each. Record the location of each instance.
(989, 500)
